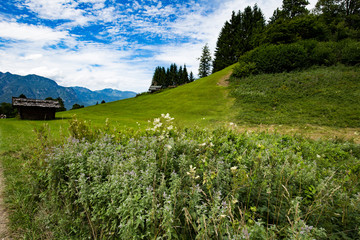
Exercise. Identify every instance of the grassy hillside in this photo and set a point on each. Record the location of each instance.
(200, 102)
(324, 96)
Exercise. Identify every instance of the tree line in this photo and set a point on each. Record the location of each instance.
(332, 20)
(172, 76)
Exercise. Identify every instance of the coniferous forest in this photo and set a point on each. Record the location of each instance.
(172, 76)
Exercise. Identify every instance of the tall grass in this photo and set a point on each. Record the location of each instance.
(326, 96)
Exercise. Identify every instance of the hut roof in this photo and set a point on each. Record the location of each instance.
(27, 102)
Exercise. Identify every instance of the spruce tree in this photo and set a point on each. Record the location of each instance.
(179, 76)
(184, 76)
(238, 36)
(205, 62)
(191, 77)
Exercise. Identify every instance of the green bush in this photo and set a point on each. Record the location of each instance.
(295, 56)
(277, 58)
(244, 69)
(325, 53)
(350, 52)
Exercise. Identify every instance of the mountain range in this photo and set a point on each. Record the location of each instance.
(37, 87)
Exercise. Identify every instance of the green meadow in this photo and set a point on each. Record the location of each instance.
(236, 161)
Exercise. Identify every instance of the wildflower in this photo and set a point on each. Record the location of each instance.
(170, 127)
(202, 144)
(233, 169)
(168, 147)
(318, 156)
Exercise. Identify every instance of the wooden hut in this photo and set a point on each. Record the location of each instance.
(35, 109)
(154, 88)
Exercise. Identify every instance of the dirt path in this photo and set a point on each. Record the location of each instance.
(224, 80)
(4, 234)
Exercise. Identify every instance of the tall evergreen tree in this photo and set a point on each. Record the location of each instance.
(238, 36)
(205, 62)
(184, 76)
(173, 72)
(179, 76)
(191, 77)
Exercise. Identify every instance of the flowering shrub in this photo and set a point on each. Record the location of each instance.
(165, 183)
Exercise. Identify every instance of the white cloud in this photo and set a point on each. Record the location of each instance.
(32, 56)
(25, 32)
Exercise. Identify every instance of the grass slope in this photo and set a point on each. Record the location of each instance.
(325, 96)
(201, 102)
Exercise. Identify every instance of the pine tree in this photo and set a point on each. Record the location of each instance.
(184, 76)
(173, 72)
(205, 62)
(179, 76)
(191, 77)
(238, 36)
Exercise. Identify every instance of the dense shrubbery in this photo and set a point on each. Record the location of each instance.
(166, 183)
(295, 56)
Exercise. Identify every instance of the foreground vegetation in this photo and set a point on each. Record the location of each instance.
(166, 182)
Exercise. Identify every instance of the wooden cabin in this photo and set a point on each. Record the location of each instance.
(154, 88)
(35, 109)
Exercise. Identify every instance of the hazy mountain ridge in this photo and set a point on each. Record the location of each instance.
(37, 87)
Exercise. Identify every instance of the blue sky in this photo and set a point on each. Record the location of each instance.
(110, 43)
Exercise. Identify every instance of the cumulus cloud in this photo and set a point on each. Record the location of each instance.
(26, 32)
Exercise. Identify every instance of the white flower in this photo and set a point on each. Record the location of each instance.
(233, 168)
(318, 156)
(231, 124)
(168, 146)
(156, 120)
(202, 145)
(170, 127)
